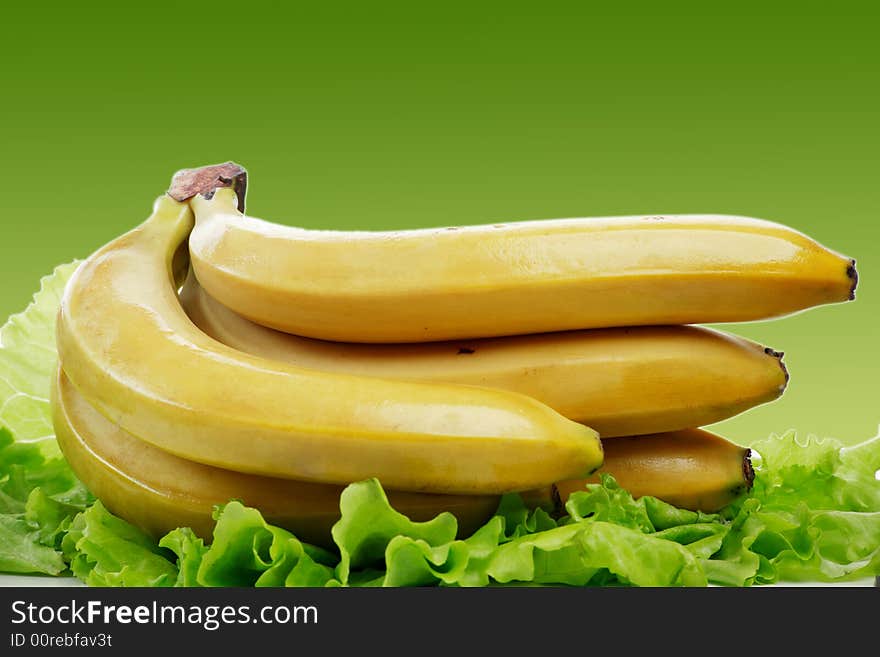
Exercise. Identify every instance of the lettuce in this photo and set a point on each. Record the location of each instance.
(104, 550)
(27, 362)
(814, 512)
(39, 494)
(247, 551)
(812, 515)
(21, 550)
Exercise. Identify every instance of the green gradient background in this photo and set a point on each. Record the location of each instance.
(382, 118)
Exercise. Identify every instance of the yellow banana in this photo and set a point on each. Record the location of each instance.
(620, 382)
(693, 468)
(130, 349)
(517, 278)
(158, 491)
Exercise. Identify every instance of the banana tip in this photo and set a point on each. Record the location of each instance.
(556, 500)
(747, 469)
(853, 276)
(778, 355)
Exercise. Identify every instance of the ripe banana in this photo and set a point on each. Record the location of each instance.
(517, 278)
(129, 348)
(620, 382)
(158, 491)
(693, 469)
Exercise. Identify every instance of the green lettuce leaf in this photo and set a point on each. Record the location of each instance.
(368, 526)
(21, 550)
(247, 551)
(104, 550)
(189, 550)
(812, 514)
(39, 494)
(31, 521)
(50, 517)
(27, 362)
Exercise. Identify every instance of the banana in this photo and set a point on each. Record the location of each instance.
(624, 381)
(694, 469)
(517, 278)
(129, 348)
(159, 492)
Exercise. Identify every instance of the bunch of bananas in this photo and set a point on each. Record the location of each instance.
(208, 355)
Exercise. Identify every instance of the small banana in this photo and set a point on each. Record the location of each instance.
(516, 278)
(624, 381)
(694, 469)
(130, 349)
(159, 492)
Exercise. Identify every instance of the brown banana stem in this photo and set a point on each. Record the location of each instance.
(187, 183)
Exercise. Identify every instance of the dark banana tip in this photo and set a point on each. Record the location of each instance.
(778, 356)
(187, 183)
(747, 469)
(556, 500)
(853, 276)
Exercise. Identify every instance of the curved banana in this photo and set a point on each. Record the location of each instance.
(620, 382)
(518, 278)
(694, 469)
(130, 349)
(159, 492)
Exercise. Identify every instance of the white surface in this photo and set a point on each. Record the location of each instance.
(37, 581)
(29, 580)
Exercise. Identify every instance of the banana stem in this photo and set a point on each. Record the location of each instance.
(187, 183)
